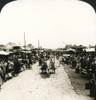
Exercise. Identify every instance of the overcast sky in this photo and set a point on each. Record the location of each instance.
(53, 22)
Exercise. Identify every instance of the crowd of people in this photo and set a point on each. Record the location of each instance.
(83, 64)
(48, 63)
(13, 64)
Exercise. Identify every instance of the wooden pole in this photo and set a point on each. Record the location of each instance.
(25, 45)
(38, 47)
(24, 41)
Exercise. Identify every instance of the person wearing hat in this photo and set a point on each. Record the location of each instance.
(16, 67)
(1, 80)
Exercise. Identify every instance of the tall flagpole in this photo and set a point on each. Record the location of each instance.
(24, 41)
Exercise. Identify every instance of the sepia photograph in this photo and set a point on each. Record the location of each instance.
(47, 49)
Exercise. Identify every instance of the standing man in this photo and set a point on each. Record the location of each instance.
(48, 65)
(1, 80)
(60, 60)
(30, 63)
(16, 67)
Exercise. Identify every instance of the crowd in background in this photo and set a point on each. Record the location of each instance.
(15, 63)
(83, 64)
(11, 65)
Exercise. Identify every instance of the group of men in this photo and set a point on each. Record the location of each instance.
(47, 65)
(12, 66)
(81, 63)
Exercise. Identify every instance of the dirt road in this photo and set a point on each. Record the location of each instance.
(30, 85)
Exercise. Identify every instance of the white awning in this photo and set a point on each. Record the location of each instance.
(4, 53)
(90, 50)
(71, 50)
(66, 55)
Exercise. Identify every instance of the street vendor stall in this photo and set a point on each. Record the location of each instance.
(90, 50)
(4, 59)
(4, 55)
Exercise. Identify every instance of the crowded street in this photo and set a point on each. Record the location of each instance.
(30, 85)
(47, 50)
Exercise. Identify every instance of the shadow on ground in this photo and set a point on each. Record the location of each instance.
(45, 75)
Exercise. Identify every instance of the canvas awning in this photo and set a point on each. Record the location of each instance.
(66, 55)
(4, 53)
(90, 50)
(26, 51)
(71, 50)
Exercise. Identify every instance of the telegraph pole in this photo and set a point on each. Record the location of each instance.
(38, 47)
(25, 45)
(24, 41)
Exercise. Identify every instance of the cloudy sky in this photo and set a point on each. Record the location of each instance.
(53, 22)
